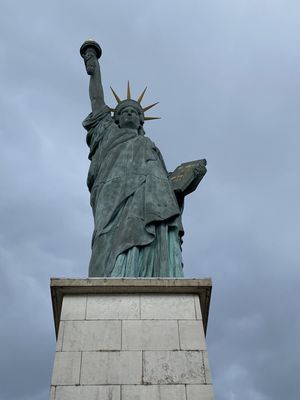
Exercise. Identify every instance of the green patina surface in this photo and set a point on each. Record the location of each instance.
(137, 216)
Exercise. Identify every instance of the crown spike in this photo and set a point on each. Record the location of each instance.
(128, 91)
(150, 118)
(116, 96)
(148, 107)
(141, 95)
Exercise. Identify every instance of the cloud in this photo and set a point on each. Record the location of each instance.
(226, 76)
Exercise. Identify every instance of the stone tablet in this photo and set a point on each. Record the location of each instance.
(187, 176)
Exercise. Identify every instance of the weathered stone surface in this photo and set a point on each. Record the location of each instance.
(208, 379)
(150, 335)
(111, 368)
(73, 307)
(92, 335)
(191, 335)
(66, 368)
(177, 367)
(150, 392)
(197, 307)
(167, 306)
(151, 343)
(52, 393)
(199, 392)
(87, 393)
(123, 306)
(60, 336)
(61, 287)
(127, 285)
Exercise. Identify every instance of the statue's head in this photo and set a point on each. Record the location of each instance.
(129, 113)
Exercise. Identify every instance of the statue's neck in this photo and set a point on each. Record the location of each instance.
(131, 130)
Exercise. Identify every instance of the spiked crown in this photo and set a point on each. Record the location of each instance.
(121, 104)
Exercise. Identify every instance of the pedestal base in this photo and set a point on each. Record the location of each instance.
(131, 339)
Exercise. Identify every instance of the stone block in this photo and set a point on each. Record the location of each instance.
(118, 306)
(151, 392)
(66, 368)
(73, 307)
(191, 335)
(208, 379)
(60, 335)
(173, 367)
(87, 393)
(52, 393)
(92, 335)
(130, 338)
(197, 307)
(197, 392)
(150, 335)
(130, 286)
(167, 306)
(111, 368)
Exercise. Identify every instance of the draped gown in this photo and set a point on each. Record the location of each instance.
(137, 220)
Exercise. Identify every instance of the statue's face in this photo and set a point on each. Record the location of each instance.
(129, 118)
(90, 59)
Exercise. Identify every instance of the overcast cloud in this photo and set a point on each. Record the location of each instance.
(226, 73)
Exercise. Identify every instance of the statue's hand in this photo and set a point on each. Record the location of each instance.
(197, 171)
(91, 61)
(200, 170)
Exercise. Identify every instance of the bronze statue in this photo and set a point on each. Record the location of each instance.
(136, 203)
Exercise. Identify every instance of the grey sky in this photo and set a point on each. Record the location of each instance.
(226, 73)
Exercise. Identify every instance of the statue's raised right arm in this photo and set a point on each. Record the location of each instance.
(90, 52)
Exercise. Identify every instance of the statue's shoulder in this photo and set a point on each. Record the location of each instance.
(101, 118)
(98, 125)
(149, 142)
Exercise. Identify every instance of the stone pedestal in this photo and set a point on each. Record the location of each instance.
(131, 339)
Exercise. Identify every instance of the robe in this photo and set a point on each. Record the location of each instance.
(137, 220)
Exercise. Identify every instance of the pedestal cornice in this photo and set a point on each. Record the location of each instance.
(70, 286)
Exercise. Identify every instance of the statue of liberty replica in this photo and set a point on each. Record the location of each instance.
(137, 204)
(133, 338)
